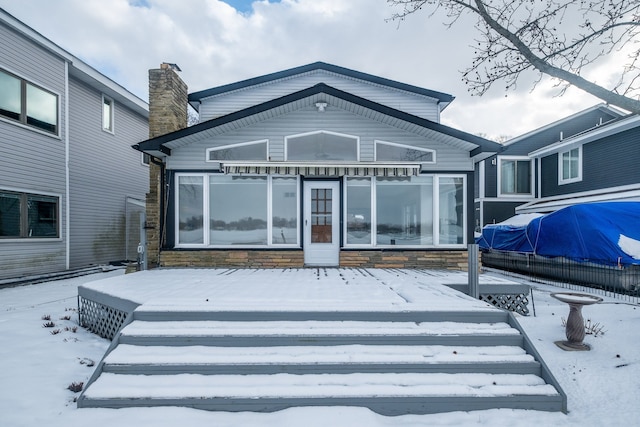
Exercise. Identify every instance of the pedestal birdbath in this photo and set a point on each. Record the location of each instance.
(575, 323)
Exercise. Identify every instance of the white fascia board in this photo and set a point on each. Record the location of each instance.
(593, 135)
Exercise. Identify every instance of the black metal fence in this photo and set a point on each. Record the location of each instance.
(621, 281)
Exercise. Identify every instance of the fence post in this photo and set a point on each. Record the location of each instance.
(472, 270)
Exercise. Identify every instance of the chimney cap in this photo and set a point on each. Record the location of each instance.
(170, 65)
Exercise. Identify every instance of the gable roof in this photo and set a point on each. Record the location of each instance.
(443, 98)
(78, 68)
(477, 146)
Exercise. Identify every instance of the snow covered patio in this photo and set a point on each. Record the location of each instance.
(394, 341)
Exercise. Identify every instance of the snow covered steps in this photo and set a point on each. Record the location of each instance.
(392, 363)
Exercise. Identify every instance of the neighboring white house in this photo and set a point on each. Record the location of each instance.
(71, 187)
(317, 165)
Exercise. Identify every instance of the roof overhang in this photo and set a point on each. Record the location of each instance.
(477, 147)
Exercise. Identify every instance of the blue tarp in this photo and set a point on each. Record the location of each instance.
(591, 232)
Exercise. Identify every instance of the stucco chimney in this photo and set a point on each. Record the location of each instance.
(167, 100)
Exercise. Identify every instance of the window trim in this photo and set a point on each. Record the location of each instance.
(23, 105)
(435, 214)
(499, 176)
(24, 194)
(239, 144)
(207, 216)
(410, 147)
(578, 177)
(106, 100)
(315, 132)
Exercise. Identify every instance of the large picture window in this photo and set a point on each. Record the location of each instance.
(419, 211)
(515, 176)
(25, 215)
(392, 152)
(254, 150)
(215, 210)
(27, 103)
(322, 146)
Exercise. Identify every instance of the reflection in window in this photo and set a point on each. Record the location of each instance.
(28, 103)
(190, 213)
(358, 211)
(515, 176)
(238, 210)
(284, 206)
(322, 146)
(391, 152)
(28, 216)
(404, 211)
(451, 226)
(246, 151)
(107, 114)
(570, 165)
(10, 96)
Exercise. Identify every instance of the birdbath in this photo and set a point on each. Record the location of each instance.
(575, 323)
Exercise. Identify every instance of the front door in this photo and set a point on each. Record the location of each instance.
(322, 223)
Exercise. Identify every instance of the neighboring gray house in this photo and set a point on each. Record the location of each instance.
(510, 180)
(71, 187)
(317, 165)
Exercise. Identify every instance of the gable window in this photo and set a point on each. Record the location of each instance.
(28, 103)
(570, 166)
(254, 150)
(24, 215)
(392, 152)
(515, 176)
(322, 146)
(107, 114)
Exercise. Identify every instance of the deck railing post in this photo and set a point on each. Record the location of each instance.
(472, 270)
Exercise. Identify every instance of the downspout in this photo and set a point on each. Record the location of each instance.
(66, 168)
(163, 204)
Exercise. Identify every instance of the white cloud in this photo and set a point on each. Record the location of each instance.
(215, 44)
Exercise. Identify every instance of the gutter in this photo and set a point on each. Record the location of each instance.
(66, 168)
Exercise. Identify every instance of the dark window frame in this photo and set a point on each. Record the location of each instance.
(47, 218)
(23, 118)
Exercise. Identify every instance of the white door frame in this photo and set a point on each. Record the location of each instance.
(324, 253)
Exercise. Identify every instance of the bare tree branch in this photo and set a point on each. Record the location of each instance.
(558, 38)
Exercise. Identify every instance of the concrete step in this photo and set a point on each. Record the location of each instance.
(387, 394)
(155, 360)
(292, 333)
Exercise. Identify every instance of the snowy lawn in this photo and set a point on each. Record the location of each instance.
(39, 363)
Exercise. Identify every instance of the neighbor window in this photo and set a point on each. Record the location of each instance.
(392, 152)
(27, 103)
(515, 176)
(418, 211)
(322, 146)
(570, 166)
(107, 114)
(215, 210)
(24, 215)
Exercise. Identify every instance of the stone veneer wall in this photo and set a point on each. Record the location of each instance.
(168, 99)
(450, 260)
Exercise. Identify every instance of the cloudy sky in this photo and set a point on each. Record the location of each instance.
(217, 42)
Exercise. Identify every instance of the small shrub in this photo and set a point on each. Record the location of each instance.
(590, 328)
(76, 387)
(55, 332)
(87, 361)
(46, 317)
(73, 329)
(48, 325)
(65, 317)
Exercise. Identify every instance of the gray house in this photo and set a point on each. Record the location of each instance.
(517, 179)
(71, 187)
(317, 165)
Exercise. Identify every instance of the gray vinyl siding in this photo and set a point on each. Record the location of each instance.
(104, 171)
(32, 161)
(609, 162)
(498, 211)
(417, 105)
(192, 157)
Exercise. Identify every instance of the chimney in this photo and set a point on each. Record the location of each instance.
(167, 113)
(167, 100)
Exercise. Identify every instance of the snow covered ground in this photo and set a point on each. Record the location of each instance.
(39, 363)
